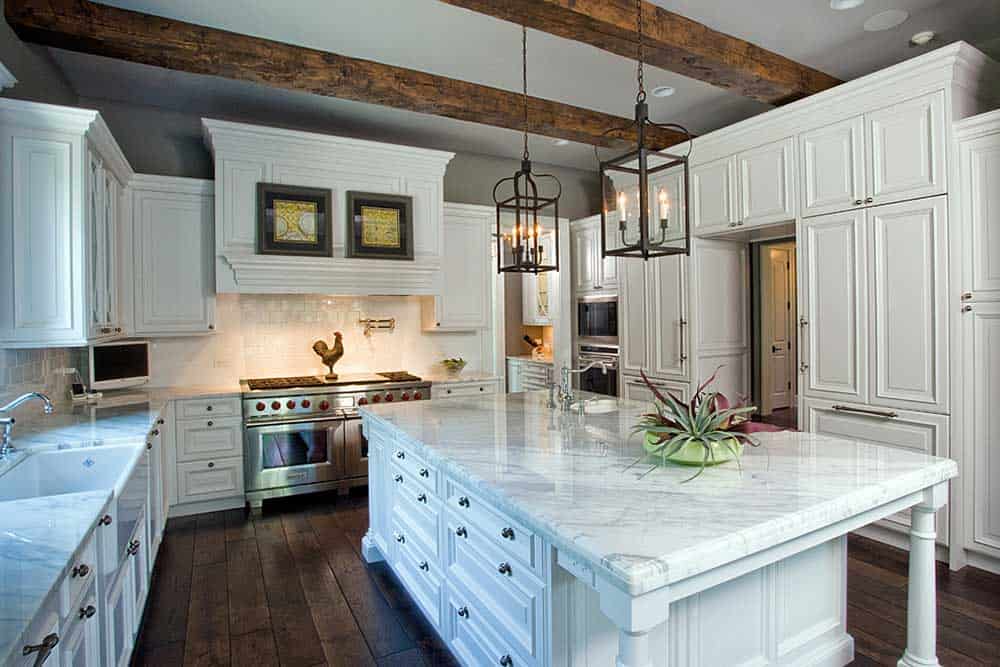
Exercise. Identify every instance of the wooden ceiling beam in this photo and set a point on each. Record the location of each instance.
(671, 41)
(88, 27)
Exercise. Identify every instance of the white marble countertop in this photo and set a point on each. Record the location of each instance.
(575, 480)
(38, 538)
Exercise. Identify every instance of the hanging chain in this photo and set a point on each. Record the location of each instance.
(641, 96)
(524, 84)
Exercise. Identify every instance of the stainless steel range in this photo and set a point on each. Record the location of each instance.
(303, 434)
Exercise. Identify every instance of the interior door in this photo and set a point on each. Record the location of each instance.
(777, 296)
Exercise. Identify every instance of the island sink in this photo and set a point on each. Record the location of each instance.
(52, 473)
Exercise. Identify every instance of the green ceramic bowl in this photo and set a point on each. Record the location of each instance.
(693, 453)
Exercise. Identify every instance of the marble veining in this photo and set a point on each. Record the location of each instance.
(579, 481)
(38, 538)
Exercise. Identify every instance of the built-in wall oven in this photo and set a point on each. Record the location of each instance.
(598, 380)
(597, 320)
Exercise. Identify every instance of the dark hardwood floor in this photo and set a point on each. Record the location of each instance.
(290, 588)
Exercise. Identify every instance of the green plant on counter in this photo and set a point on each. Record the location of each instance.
(707, 430)
(454, 365)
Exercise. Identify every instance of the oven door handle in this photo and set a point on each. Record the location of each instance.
(308, 420)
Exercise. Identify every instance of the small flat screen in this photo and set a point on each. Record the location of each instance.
(120, 362)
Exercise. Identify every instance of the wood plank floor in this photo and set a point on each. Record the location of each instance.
(290, 588)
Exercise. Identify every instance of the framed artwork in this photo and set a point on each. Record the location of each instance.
(293, 220)
(379, 226)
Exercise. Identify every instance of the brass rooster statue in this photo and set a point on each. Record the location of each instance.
(329, 355)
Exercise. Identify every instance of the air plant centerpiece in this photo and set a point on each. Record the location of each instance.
(705, 431)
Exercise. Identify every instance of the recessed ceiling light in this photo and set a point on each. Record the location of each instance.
(922, 37)
(845, 4)
(663, 91)
(560, 142)
(886, 20)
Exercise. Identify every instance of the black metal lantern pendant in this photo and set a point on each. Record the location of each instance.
(647, 189)
(523, 245)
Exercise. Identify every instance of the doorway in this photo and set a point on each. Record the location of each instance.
(775, 347)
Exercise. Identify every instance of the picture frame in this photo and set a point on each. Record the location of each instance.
(294, 220)
(379, 226)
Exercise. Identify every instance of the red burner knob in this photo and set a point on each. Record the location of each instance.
(405, 396)
(276, 405)
(417, 395)
(305, 403)
(388, 398)
(260, 406)
(376, 399)
(362, 401)
(323, 405)
(291, 405)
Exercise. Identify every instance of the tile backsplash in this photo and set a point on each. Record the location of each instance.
(34, 370)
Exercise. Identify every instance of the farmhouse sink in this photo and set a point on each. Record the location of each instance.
(595, 406)
(52, 473)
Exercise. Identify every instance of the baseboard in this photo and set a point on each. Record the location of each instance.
(835, 654)
(204, 506)
(982, 561)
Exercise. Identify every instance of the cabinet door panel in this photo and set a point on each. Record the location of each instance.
(722, 284)
(767, 183)
(909, 329)
(584, 276)
(833, 267)
(712, 194)
(465, 299)
(983, 369)
(906, 150)
(833, 167)
(669, 322)
(981, 203)
(633, 317)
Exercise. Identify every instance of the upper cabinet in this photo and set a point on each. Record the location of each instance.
(464, 303)
(767, 176)
(591, 271)
(833, 167)
(713, 196)
(172, 243)
(538, 290)
(62, 181)
(979, 203)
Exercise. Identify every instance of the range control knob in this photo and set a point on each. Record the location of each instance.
(405, 396)
(388, 398)
(362, 401)
(323, 405)
(261, 406)
(291, 405)
(276, 405)
(417, 395)
(376, 398)
(305, 403)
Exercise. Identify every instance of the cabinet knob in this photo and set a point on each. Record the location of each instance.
(422, 498)
(424, 566)
(81, 570)
(463, 502)
(461, 532)
(966, 308)
(505, 661)
(803, 321)
(156, 431)
(858, 202)
(803, 367)
(211, 327)
(118, 329)
(208, 408)
(160, 422)
(399, 537)
(210, 423)
(400, 455)
(105, 520)
(966, 296)
(133, 548)
(397, 478)
(88, 611)
(105, 330)
(463, 612)
(504, 568)
(868, 200)
(211, 464)
(507, 533)
(424, 472)
(149, 445)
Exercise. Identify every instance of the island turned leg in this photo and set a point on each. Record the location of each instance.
(633, 649)
(635, 617)
(921, 606)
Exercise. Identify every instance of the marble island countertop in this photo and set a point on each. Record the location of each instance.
(575, 479)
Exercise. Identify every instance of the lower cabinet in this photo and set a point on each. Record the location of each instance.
(118, 625)
(634, 389)
(527, 374)
(208, 453)
(456, 389)
(81, 642)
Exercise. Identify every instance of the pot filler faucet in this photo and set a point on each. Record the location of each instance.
(566, 397)
(7, 423)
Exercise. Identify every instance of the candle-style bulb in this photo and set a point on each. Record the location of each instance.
(622, 216)
(664, 206)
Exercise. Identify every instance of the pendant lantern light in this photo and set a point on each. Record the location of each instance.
(644, 183)
(526, 213)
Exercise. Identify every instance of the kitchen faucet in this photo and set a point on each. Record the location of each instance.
(566, 397)
(7, 423)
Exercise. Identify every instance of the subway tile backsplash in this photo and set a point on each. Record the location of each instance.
(34, 370)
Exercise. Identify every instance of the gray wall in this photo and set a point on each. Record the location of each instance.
(38, 78)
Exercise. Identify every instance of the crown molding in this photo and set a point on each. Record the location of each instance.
(977, 126)
(173, 184)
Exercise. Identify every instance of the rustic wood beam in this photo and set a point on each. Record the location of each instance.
(88, 27)
(671, 41)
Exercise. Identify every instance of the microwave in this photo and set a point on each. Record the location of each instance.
(117, 365)
(597, 319)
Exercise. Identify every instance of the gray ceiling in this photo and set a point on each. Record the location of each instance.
(431, 36)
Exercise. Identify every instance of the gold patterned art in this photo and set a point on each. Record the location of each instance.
(295, 221)
(380, 227)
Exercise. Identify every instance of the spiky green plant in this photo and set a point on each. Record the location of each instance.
(706, 419)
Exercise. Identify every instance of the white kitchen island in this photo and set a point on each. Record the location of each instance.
(529, 536)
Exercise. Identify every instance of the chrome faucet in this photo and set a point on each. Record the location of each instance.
(7, 423)
(566, 397)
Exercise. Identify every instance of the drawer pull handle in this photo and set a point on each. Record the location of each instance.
(81, 570)
(88, 611)
(505, 661)
(422, 497)
(105, 520)
(397, 478)
(156, 431)
(211, 423)
(133, 547)
(43, 649)
(888, 414)
(399, 537)
(504, 568)
(424, 566)
(424, 472)
(461, 532)
(507, 533)
(463, 612)
(400, 455)
(211, 464)
(208, 408)
(463, 502)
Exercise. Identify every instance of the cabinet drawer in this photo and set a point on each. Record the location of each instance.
(506, 592)
(413, 468)
(80, 573)
(416, 515)
(195, 408)
(201, 439)
(206, 480)
(470, 637)
(419, 573)
(455, 390)
(505, 533)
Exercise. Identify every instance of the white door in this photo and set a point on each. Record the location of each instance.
(767, 183)
(833, 167)
(584, 276)
(909, 330)
(982, 324)
(669, 330)
(777, 317)
(833, 318)
(173, 236)
(632, 304)
(906, 150)
(712, 195)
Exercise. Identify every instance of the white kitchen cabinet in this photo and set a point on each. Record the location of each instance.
(907, 250)
(156, 513)
(905, 144)
(634, 389)
(209, 480)
(979, 201)
(981, 371)
(208, 438)
(633, 314)
(62, 177)
(669, 327)
(527, 374)
(173, 243)
(591, 271)
(537, 291)
(464, 303)
(767, 184)
(460, 389)
(833, 306)
(119, 628)
(833, 167)
(81, 643)
(713, 196)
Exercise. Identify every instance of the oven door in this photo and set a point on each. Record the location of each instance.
(598, 382)
(355, 446)
(280, 455)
